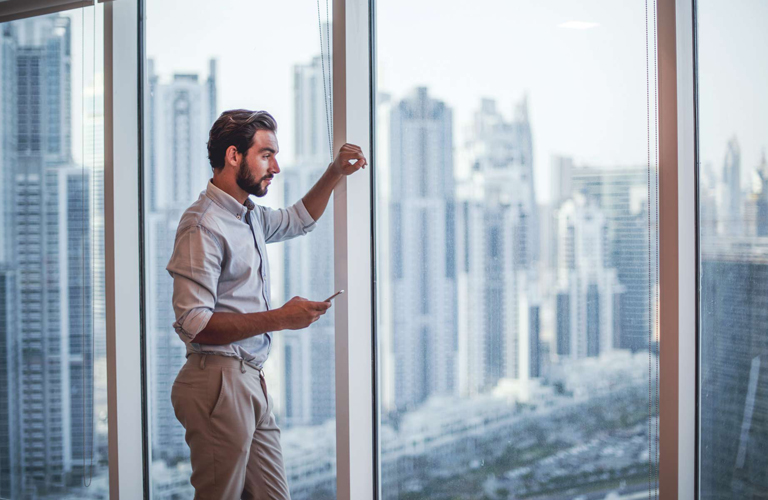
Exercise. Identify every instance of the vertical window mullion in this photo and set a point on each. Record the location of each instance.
(677, 247)
(352, 255)
(121, 242)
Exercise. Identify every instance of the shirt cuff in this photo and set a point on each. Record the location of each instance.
(307, 222)
(193, 323)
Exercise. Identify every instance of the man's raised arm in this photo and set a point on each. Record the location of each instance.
(317, 198)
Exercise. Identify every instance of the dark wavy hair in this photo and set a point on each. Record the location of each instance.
(236, 127)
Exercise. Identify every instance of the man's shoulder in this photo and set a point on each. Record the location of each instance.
(204, 212)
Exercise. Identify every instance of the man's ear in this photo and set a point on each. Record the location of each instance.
(231, 156)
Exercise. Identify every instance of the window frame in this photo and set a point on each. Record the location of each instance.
(13, 10)
(356, 448)
(122, 247)
(678, 229)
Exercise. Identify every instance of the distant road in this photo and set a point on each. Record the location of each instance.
(635, 492)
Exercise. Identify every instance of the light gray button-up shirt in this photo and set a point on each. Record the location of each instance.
(220, 264)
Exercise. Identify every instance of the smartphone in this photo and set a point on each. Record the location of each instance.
(334, 296)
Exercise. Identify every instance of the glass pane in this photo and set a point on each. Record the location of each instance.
(53, 396)
(516, 259)
(733, 238)
(196, 70)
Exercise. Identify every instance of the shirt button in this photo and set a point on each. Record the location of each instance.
(238, 216)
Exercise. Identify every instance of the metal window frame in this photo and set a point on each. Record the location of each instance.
(678, 229)
(122, 208)
(353, 264)
(13, 10)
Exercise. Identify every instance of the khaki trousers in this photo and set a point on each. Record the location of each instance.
(233, 439)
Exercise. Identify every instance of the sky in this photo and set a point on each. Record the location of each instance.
(586, 88)
(733, 80)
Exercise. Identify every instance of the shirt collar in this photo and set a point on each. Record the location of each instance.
(227, 202)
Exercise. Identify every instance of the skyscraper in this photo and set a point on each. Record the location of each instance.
(308, 355)
(422, 248)
(756, 206)
(589, 290)
(46, 253)
(10, 477)
(168, 352)
(180, 112)
(734, 368)
(499, 246)
(10, 443)
(621, 194)
(8, 136)
(728, 192)
(74, 216)
(312, 111)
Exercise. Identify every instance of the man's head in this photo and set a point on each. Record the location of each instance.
(242, 145)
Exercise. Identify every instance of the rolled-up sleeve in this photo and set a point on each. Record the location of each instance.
(195, 267)
(285, 223)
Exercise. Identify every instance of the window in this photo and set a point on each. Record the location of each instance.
(733, 272)
(276, 59)
(53, 391)
(516, 250)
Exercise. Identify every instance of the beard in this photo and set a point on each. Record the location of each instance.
(248, 183)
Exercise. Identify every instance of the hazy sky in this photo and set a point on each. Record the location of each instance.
(733, 80)
(586, 87)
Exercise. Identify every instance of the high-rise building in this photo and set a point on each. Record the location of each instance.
(734, 368)
(309, 388)
(168, 352)
(498, 247)
(10, 443)
(756, 206)
(75, 217)
(309, 361)
(180, 112)
(588, 297)
(8, 135)
(561, 180)
(46, 240)
(312, 107)
(471, 296)
(501, 157)
(621, 194)
(422, 248)
(43, 92)
(728, 194)
(210, 86)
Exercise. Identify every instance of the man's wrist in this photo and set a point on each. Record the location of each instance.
(334, 170)
(275, 319)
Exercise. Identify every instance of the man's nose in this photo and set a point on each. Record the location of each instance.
(275, 168)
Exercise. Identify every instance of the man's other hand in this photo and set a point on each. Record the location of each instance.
(349, 160)
(299, 313)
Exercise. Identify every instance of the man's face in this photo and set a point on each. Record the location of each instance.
(259, 165)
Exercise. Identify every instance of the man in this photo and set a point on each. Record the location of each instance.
(223, 312)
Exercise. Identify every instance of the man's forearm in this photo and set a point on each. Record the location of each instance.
(225, 328)
(317, 198)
